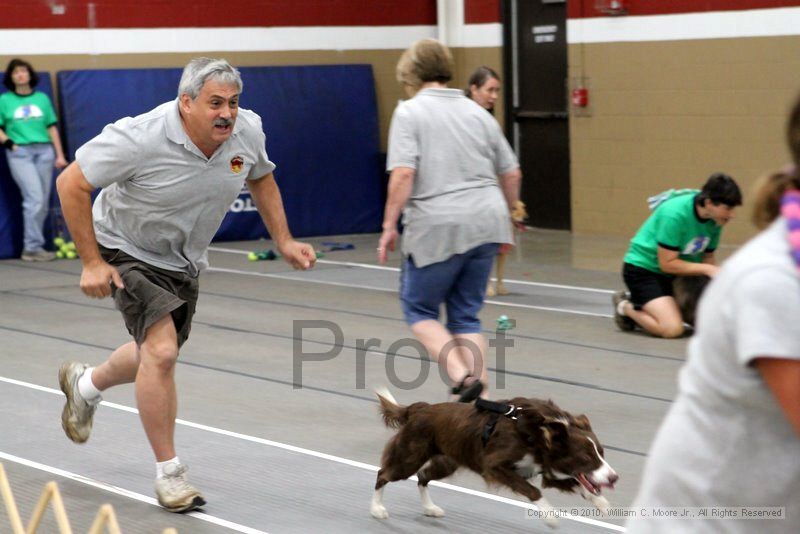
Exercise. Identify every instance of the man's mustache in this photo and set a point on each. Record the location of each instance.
(223, 122)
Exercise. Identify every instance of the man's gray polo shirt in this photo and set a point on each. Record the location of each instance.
(162, 199)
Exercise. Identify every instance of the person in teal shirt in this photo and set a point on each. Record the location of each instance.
(678, 239)
(33, 147)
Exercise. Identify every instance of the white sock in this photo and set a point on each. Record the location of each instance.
(621, 307)
(161, 465)
(87, 389)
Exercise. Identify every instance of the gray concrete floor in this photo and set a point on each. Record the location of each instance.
(274, 457)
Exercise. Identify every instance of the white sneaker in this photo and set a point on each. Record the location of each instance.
(175, 493)
(623, 322)
(77, 415)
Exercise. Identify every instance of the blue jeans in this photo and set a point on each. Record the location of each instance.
(31, 168)
(459, 282)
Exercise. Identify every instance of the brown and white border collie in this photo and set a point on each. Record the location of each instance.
(532, 437)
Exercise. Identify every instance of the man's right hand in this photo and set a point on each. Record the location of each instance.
(97, 277)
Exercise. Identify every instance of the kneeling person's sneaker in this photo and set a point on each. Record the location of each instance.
(77, 415)
(623, 322)
(37, 255)
(175, 493)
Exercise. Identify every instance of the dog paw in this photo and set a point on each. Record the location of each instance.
(601, 503)
(501, 290)
(551, 522)
(490, 291)
(433, 511)
(378, 511)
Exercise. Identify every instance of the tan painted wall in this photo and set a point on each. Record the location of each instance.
(383, 63)
(668, 114)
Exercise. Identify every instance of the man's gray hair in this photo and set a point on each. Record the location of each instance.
(199, 70)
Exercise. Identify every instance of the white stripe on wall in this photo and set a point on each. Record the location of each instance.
(482, 35)
(166, 40)
(711, 25)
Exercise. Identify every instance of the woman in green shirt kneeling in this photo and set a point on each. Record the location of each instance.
(678, 239)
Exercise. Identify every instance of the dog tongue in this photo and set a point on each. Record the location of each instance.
(588, 485)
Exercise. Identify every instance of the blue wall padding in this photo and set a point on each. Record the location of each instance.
(322, 132)
(91, 99)
(10, 199)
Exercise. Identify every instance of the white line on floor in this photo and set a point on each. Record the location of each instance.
(124, 493)
(545, 308)
(301, 450)
(396, 269)
(296, 279)
(376, 288)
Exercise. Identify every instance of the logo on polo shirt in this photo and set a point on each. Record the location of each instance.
(237, 164)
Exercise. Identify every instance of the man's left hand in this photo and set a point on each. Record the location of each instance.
(298, 255)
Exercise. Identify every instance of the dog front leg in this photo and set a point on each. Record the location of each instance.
(549, 515)
(518, 484)
(599, 502)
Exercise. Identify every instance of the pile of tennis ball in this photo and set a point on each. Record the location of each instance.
(65, 250)
(268, 255)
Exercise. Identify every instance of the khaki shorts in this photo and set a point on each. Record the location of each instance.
(150, 293)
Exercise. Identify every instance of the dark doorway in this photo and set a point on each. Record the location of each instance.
(537, 117)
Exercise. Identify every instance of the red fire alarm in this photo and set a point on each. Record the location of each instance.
(580, 97)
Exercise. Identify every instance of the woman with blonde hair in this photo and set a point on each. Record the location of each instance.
(454, 178)
(732, 437)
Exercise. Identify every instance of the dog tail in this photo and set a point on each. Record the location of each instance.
(394, 415)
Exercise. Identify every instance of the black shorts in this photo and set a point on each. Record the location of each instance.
(645, 285)
(150, 293)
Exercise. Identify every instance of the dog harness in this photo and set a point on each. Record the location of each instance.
(496, 409)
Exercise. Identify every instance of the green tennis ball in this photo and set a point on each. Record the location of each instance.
(252, 256)
(58, 241)
(61, 254)
(71, 245)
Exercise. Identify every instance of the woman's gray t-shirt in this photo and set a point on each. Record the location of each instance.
(457, 150)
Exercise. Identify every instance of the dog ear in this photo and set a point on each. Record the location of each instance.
(581, 421)
(554, 431)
